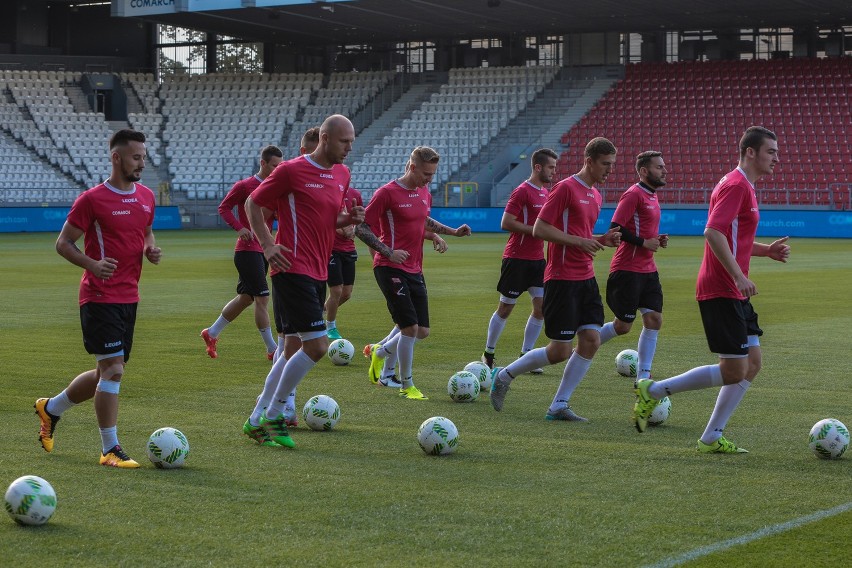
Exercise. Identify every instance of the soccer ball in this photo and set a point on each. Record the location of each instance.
(482, 372)
(341, 351)
(661, 412)
(168, 448)
(626, 362)
(321, 412)
(438, 436)
(829, 438)
(30, 500)
(463, 387)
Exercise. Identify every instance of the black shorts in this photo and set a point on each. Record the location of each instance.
(570, 304)
(727, 324)
(108, 328)
(628, 291)
(298, 302)
(518, 276)
(251, 266)
(405, 294)
(341, 268)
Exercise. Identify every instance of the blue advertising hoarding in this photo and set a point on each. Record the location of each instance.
(51, 219)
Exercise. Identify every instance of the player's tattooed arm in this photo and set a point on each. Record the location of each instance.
(370, 239)
(436, 227)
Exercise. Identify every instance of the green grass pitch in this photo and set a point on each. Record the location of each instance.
(519, 491)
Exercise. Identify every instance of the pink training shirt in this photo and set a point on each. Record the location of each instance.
(734, 213)
(525, 203)
(638, 211)
(237, 198)
(573, 208)
(114, 224)
(350, 199)
(307, 199)
(397, 216)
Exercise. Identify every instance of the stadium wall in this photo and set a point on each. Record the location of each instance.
(51, 219)
(682, 222)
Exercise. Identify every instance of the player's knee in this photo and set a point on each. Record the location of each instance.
(652, 320)
(345, 295)
(315, 349)
(558, 351)
(504, 310)
(422, 332)
(261, 301)
(111, 372)
(621, 327)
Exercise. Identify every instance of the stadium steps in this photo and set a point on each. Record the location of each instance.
(79, 99)
(415, 96)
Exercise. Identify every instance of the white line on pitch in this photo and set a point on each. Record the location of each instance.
(766, 531)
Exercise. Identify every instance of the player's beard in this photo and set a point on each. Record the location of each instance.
(656, 183)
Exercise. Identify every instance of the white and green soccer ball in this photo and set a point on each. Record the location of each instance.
(321, 412)
(168, 448)
(30, 500)
(438, 436)
(626, 362)
(341, 351)
(661, 412)
(482, 372)
(829, 438)
(463, 387)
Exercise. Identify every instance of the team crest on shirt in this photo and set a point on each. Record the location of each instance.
(424, 202)
(146, 208)
(341, 188)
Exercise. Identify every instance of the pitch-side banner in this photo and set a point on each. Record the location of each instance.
(135, 8)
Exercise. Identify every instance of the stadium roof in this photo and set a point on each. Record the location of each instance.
(340, 22)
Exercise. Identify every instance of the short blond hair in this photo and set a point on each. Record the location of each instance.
(424, 155)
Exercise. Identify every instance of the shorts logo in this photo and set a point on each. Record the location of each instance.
(317, 323)
(113, 344)
(744, 346)
(564, 332)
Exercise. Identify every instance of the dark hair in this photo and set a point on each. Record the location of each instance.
(311, 135)
(643, 159)
(270, 151)
(424, 155)
(753, 137)
(599, 147)
(124, 136)
(541, 156)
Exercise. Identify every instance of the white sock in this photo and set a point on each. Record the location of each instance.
(59, 404)
(607, 332)
(727, 401)
(405, 352)
(390, 347)
(278, 350)
(495, 329)
(389, 367)
(393, 333)
(530, 360)
(291, 400)
(531, 333)
(294, 371)
(266, 334)
(217, 327)
(575, 370)
(270, 385)
(330, 324)
(109, 438)
(647, 347)
(694, 379)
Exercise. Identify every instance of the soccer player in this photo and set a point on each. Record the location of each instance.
(724, 292)
(523, 263)
(306, 193)
(572, 303)
(341, 267)
(399, 212)
(248, 258)
(115, 219)
(633, 282)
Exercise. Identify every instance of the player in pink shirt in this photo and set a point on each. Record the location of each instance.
(572, 302)
(248, 258)
(522, 269)
(115, 219)
(395, 222)
(341, 267)
(633, 282)
(306, 194)
(723, 292)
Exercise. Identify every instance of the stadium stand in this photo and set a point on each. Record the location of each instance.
(457, 121)
(694, 112)
(215, 125)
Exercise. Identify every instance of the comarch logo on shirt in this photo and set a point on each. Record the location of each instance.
(314, 185)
